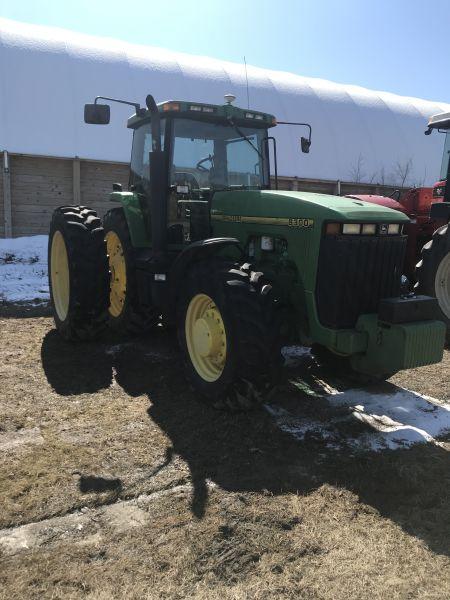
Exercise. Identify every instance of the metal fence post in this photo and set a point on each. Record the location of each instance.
(7, 195)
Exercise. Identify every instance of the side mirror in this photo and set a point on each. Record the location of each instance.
(305, 144)
(96, 114)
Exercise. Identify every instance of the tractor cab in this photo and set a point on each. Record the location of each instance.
(441, 122)
(439, 186)
(205, 148)
(185, 152)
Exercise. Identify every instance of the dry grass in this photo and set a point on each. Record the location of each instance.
(281, 518)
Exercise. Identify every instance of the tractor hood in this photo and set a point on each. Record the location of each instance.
(273, 205)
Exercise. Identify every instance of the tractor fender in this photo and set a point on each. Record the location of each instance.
(136, 221)
(194, 252)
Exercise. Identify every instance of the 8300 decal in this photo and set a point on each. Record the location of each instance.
(299, 222)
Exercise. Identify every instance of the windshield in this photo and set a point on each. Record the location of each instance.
(210, 155)
(445, 157)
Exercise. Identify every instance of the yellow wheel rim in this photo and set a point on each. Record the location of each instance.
(118, 268)
(59, 274)
(206, 337)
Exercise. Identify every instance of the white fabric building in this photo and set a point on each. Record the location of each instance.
(47, 74)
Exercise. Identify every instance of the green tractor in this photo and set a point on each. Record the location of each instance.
(202, 243)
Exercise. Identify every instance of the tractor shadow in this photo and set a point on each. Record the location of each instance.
(24, 310)
(89, 483)
(249, 452)
(73, 369)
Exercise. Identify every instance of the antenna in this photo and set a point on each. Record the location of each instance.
(246, 80)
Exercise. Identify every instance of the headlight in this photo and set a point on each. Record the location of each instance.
(171, 106)
(369, 229)
(363, 229)
(393, 229)
(351, 228)
(333, 229)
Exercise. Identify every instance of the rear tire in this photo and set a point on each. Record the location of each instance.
(433, 272)
(126, 313)
(228, 331)
(78, 273)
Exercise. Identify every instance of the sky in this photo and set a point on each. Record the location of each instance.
(399, 46)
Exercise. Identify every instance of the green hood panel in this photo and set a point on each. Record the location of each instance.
(300, 205)
(297, 218)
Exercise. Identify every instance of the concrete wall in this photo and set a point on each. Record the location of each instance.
(38, 185)
(96, 183)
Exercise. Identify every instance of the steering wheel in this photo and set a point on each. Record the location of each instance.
(200, 166)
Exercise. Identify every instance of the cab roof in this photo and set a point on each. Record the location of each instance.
(440, 121)
(206, 112)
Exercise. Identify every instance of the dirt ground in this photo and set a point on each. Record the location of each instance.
(116, 481)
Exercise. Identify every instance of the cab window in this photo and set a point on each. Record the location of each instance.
(140, 154)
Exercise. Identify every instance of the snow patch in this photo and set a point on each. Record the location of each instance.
(401, 418)
(23, 269)
(390, 420)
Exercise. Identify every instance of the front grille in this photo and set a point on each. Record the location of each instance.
(354, 274)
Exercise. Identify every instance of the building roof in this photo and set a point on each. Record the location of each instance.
(48, 74)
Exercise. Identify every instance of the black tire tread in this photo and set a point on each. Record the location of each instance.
(432, 254)
(255, 329)
(88, 270)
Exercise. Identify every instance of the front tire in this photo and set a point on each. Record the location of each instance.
(228, 333)
(78, 273)
(433, 272)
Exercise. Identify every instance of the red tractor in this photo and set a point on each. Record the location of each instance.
(429, 230)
